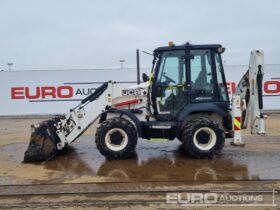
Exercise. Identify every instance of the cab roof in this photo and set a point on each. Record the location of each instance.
(187, 46)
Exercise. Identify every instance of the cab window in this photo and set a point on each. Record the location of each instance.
(170, 82)
(201, 76)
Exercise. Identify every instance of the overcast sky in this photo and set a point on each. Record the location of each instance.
(75, 34)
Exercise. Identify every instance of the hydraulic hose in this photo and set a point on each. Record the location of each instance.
(99, 91)
(259, 83)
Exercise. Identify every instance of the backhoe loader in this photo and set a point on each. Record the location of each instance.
(185, 98)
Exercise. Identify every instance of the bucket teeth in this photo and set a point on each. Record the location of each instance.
(43, 141)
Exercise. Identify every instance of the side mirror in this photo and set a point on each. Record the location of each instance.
(145, 78)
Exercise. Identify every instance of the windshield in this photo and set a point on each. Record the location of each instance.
(172, 68)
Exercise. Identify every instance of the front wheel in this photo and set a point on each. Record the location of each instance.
(202, 137)
(116, 138)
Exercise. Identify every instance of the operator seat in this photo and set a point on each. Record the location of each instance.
(201, 80)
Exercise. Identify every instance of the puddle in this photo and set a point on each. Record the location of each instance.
(151, 162)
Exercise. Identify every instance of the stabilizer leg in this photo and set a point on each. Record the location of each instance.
(236, 121)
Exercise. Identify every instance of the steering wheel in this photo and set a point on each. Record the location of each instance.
(168, 79)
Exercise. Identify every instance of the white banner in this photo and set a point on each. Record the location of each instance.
(56, 91)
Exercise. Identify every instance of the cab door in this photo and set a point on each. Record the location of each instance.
(170, 83)
(201, 76)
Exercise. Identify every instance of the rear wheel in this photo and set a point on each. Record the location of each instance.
(116, 138)
(202, 137)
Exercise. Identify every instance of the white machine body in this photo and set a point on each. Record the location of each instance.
(82, 116)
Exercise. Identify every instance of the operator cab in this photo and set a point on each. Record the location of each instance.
(187, 78)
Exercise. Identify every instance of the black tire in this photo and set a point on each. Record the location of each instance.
(116, 138)
(201, 137)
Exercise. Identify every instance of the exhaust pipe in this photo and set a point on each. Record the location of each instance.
(138, 66)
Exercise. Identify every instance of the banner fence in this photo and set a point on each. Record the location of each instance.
(52, 92)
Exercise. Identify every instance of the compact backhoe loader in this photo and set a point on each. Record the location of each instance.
(185, 97)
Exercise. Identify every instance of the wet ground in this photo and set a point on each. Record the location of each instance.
(154, 164)
(152, 161)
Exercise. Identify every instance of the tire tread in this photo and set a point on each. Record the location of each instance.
(116, 122)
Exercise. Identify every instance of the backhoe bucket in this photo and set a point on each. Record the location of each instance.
(43, 141)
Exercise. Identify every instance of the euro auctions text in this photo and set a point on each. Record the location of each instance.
(222, 198)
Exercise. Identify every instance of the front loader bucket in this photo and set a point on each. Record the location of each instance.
(43, 141)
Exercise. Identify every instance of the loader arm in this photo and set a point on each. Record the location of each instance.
(48, 137)
(81, 117)
(249, 89)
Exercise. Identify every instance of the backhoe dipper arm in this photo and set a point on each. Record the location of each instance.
(250, 91)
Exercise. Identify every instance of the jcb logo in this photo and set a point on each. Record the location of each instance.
(128, 92)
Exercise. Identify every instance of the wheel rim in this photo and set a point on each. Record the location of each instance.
(205, 138)
(116, 139)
